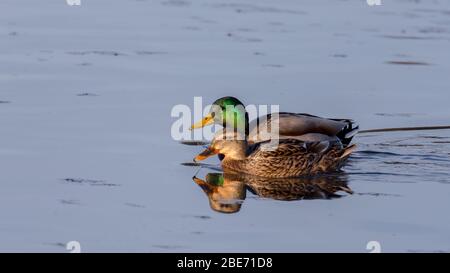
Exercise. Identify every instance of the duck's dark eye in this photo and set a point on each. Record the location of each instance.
(213, 114)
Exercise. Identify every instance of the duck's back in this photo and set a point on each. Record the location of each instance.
(303, 127)
(290, 158)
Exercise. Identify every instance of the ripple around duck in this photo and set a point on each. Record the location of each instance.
(381, 174)
(402, 158)
(409, 156)
(202, 165)
(373, 152)
(194, 142)
(90, 182)
(434, 137)
(400, 145)
(400, 163)
(378, 194)
(435, 158)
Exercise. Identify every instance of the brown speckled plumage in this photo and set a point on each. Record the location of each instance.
(291, 158)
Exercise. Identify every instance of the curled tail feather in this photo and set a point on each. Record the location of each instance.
(348, 151)
(348, 132)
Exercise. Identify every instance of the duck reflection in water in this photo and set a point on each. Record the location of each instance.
(227, 192)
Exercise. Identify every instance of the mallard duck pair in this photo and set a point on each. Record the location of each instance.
(307, 145)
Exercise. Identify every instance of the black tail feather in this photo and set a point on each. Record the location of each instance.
(348, 132)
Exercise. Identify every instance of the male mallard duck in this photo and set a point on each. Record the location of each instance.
(288, 158)
(229, 111)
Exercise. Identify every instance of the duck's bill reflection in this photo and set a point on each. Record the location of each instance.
(227, 192)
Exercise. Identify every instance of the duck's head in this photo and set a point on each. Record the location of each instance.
(231, 145)
(228, 112)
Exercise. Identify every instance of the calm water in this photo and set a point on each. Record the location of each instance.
(86, 94)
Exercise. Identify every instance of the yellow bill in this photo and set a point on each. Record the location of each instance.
(209, 119)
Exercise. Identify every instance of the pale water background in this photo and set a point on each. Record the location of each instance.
(86, 94)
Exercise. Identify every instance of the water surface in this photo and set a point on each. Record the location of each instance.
(85, 100)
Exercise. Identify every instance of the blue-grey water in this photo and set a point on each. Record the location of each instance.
(86, 94)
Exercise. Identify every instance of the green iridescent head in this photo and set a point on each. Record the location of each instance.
(228, 112)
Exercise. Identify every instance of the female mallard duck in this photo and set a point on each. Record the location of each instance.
(231, 113)
(289, 158)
